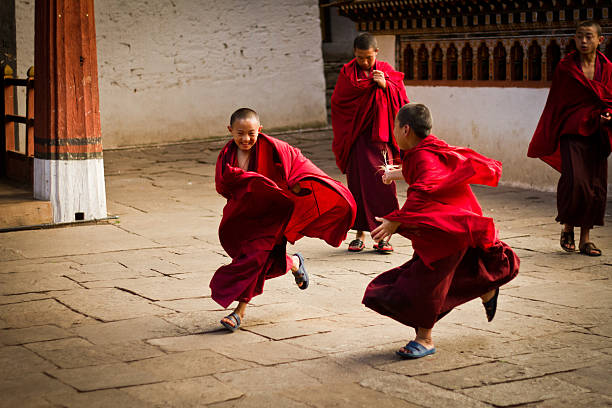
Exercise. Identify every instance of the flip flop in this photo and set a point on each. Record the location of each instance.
(588, 248)
(301, 276)
(417, 350)
(232, 316)
(567, 240)
(356, 245)
(491, 305)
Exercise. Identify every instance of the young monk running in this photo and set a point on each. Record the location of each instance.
(574, 137)
(364, 103)
(457, 256)
(274, 195)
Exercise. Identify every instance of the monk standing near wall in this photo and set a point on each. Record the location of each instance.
(366, 98)
(574, 136)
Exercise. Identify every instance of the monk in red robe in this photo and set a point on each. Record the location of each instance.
(274, 195)
(574, 136)
(457, 256)
(364, 103)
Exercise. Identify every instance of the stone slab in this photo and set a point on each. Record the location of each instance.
(269, 353)
(596, 378)
(127, 330)
(30, 390)
(32, 334)
(479, 375)
(109, 304)
(420, 393)
(192, 392)
(348, 395)
(16, 361)
(73, 241)
(559, 360)
(265, 380)
(27, 282)
(38, 313)
(524, 391)
(218, 340)
(189, 364)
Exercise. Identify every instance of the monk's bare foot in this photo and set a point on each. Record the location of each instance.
(488, 296)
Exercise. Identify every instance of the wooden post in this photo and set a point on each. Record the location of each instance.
(68, 167)
(30, 114)
(9, 109)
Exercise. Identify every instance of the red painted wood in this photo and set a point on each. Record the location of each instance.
(67, 109)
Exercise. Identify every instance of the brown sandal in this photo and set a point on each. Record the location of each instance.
(589, 248)
(567, 241)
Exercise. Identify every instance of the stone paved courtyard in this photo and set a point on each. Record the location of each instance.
(119, 313)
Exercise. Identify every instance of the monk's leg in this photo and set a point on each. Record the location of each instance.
(240, 310)
(360, 235)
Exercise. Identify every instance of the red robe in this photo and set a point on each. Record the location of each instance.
(573, 107)
(360, 104)
(457, 256)
(262, 214)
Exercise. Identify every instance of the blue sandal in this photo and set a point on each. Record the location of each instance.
(232, 316)
(301, 276)
(416, 350)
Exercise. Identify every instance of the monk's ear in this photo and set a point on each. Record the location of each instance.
(260, 129)
(229, 128)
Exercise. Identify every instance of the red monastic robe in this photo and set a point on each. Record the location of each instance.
(363, 115)
(457, 256)
(262, 214)
(360, 104)
(573, 107)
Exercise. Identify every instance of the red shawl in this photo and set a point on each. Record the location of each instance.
(573, 107)
(360, 104)
(260, 210)
(441, 215)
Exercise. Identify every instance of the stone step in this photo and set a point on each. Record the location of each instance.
(25, 213)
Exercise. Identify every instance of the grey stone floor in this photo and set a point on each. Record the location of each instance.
(119, 314)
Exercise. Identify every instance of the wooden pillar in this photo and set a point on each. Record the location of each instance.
(68, 167)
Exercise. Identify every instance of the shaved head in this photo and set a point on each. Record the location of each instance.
(243, 113)
(590, 23)
(365, 41)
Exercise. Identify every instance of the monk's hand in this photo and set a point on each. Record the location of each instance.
(385, 229)
(379, 78)
(296, 188)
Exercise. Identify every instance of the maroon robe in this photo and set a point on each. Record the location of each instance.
(457, 256)
(262, 214)
(363, 115)
(570, 138)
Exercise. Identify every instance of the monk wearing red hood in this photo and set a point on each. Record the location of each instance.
(574, 137)
(364, 103)
(274, 195)
(457, 256)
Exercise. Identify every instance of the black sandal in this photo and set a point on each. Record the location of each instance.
(567, 241)
(589, 248)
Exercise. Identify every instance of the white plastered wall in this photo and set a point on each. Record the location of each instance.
(176, 70)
